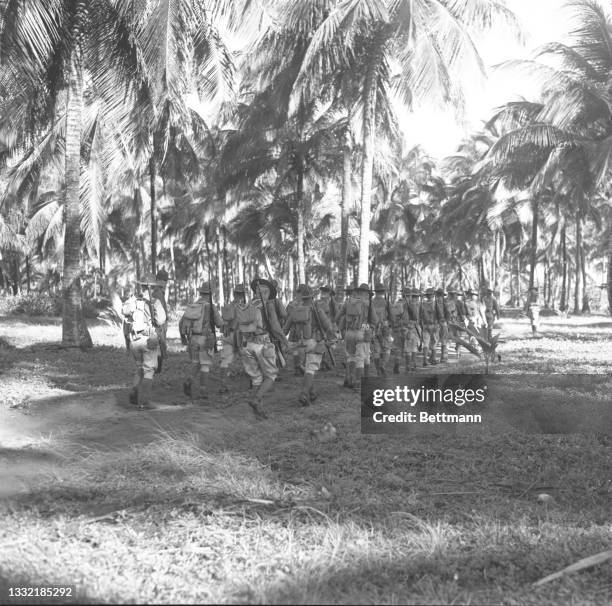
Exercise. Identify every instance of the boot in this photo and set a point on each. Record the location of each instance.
(187, 388)
(359, 373)
(432, 359)
(350, 379)
(203, 381)
(144, 395)
(257, 408)
(380, 368)
(424, 359)
(313, 395)
(444, 355)
(407, 362)
(306, 389)
(366, 371)
(133, 397)
(396, 367)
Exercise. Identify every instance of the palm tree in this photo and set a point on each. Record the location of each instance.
(429, 40)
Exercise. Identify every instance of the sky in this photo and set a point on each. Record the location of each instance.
(438, 131)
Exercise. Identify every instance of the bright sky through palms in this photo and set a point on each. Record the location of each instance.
(542, 21)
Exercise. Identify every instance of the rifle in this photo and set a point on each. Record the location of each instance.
(320, 326)
(211, 318)
(280, 358)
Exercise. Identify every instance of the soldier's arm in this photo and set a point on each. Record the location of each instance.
(159, 311)
(281, 311)
(288, 321)
(326, 324)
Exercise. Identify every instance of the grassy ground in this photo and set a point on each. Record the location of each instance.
(204, 505)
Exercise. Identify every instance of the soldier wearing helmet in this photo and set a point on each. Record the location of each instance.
(197, 328)
(429, 327)
(381, 339)
(230, 335)
(143, 314)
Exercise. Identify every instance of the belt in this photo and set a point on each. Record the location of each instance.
(197, 334)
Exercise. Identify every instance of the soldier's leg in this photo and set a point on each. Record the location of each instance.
(350, 346)
(149, 365)
(227, 358)
(362, 362)
(137, 355)
(313, 363)
(433, 339)
(251, 366)
(425, 345)
(398, 350)
(205, 362)
(266, 358)
(443, 342)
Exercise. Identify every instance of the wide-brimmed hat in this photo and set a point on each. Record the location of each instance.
(440, 291)
(380, 287)
(162, 275)
(326, 288)
(240, 288)
(148, 280)
(205, 288)
(429, 292)
(264, 282)
(470, 293)
(364, 287)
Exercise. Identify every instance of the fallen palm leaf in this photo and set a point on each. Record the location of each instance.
(594, 560)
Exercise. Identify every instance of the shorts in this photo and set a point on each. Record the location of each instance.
(228, 354)
(429, 336)
(361, 355)
(259, 360)
(200, 352)
(145, 357)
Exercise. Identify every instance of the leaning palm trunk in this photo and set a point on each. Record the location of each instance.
(534, 243)
(610, 272)
(369, 116)
(344, 209)
(74, 329)
(152, 174)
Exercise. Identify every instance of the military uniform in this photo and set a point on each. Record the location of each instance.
(199, 334)
(429, 327)
(143, 314)
(533, 308)
(162, 330)
(327, 303)
(453, 310)
(442, 321)
(356, 321)
(491, 311)
(381, 340)
(257, 350)
(230, 344)
(308, 326)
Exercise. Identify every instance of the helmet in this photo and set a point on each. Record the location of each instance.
(205, 288)
(162, 275)
(240, 288)
(440, 291)
(364, 287)
(304, 291)
(263, 282)
(429, 292)
(380, 287)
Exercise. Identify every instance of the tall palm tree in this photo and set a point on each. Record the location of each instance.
(429, 40)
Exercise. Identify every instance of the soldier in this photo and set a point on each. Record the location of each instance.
(143, 314)
(308, 326)
(429, 327)
(258, 327)
(491, 311)
(453, 310)
(348, 291)
(230, 343)
(197, 328)
(327, 303)
(357, 320)
(473, 311)
(442, 322)
(533, 308)
(281, 311)
(398, 331)
(381, 340)
(160, 293)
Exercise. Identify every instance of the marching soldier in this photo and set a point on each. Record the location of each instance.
(230, 343)
(308, 326)
(396, 323)
(258, 328)
(453, 309)
(197, 328)
(327, 303)
(348, 291)
(533, 308)
(491, 311)
(473, 310)
(143, 314)
(381, 340)
(442, 322)
(281, 312)
(429, 327)
(160, 293)
(356, 321)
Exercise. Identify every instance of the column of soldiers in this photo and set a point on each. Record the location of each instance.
(373, 329)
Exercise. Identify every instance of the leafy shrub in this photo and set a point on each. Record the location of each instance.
(31, 304)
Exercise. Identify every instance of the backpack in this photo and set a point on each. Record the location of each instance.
(247, 318)
(396, 313)
(228, 313)
(380, 306)
(354, 314)
(138, 315)
(301, 322)
(195, 318)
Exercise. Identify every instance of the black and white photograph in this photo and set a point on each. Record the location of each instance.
(306, 302)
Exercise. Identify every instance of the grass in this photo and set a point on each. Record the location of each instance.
(210, 507)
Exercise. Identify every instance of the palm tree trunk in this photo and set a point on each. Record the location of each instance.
(577, 262)
(563, 303)
(586, 308)
(228, 282)
(301, 263)
(239, 264)
(534, 241)
(344, 210)
(290, 278)
(367, 169)
(152, 173)
(610, 272)
(219, 265)
(74, 329)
